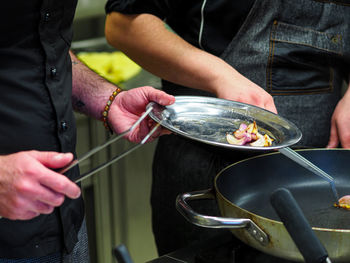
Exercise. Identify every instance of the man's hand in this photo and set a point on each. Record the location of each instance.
(28, 187)
(128, 107)
(234, 86)
(340, 126)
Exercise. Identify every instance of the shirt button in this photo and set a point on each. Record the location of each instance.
(47, 17)
(53, 72)
(64, 126)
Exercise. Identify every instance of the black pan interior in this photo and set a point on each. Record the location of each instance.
(249, 184)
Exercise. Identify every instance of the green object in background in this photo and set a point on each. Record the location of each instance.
(113, 66)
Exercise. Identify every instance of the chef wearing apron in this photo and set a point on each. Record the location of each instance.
(298, 51)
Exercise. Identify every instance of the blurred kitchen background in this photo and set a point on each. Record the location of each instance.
(118, 198)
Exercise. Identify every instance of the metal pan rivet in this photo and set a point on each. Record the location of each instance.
(335, 40)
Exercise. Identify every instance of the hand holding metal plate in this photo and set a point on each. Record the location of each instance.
(208, 120)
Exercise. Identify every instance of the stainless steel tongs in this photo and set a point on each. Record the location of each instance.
(104, 145)
(296, 157)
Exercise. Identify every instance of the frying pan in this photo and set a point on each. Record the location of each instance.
(242, 191)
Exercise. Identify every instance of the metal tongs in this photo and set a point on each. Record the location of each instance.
(296, 157)
(104, 145)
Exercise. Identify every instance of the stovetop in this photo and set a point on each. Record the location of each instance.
(222, 249)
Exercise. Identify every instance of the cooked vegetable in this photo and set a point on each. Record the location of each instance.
(248, 134)
(344, 202)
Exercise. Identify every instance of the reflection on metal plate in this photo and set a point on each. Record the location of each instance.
(208, 120)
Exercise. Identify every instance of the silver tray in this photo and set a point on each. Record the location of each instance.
(208, 120)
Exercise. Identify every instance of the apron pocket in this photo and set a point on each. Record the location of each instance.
(300, 60)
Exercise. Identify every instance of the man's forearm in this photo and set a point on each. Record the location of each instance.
(90, 91)
(147, 41)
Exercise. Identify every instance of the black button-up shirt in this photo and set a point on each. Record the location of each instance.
(206, 24)
(36, 112)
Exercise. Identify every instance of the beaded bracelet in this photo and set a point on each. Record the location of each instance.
(106, 109)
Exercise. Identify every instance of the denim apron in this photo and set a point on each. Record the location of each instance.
(299, 52)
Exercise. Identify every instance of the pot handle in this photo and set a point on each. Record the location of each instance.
(213, 221)
(298, 227)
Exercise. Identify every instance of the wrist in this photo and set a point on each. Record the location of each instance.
(107, 108)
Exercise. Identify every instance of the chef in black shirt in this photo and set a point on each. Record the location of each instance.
(289, 57)
(41, 82)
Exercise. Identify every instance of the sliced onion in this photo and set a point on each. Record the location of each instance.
(344, 202)
(233, 140)
(259, 142)
(249, 134)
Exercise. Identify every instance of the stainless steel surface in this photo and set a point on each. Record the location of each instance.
(104, 145)
(296, 157)
(208, 120)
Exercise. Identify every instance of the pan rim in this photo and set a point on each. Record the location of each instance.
(251, 215)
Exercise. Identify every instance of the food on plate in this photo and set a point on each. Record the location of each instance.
(249, 135)
(344, 202)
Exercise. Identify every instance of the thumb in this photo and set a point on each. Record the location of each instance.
(52, 159)
(159, 96)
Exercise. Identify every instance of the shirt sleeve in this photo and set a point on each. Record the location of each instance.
(160, 8)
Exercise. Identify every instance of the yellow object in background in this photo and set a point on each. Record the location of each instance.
(113, 66)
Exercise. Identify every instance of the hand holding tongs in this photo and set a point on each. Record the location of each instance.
(110, 141)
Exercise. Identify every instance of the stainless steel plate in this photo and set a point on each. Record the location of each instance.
(208, 120)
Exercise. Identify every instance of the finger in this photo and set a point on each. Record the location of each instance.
(140, 133)
(36, 190)
(20, 208)
(344, 138)
(49, 197)
(159, 96)
(60, 184)
(42, 208)
(333, 138)
(35, 206)
(26, 216)
(271, 107)
(154, 135)
(159, 131)
(165, 131)
(52, 159)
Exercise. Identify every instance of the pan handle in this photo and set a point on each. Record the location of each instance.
(298, 227)
(213, 221)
